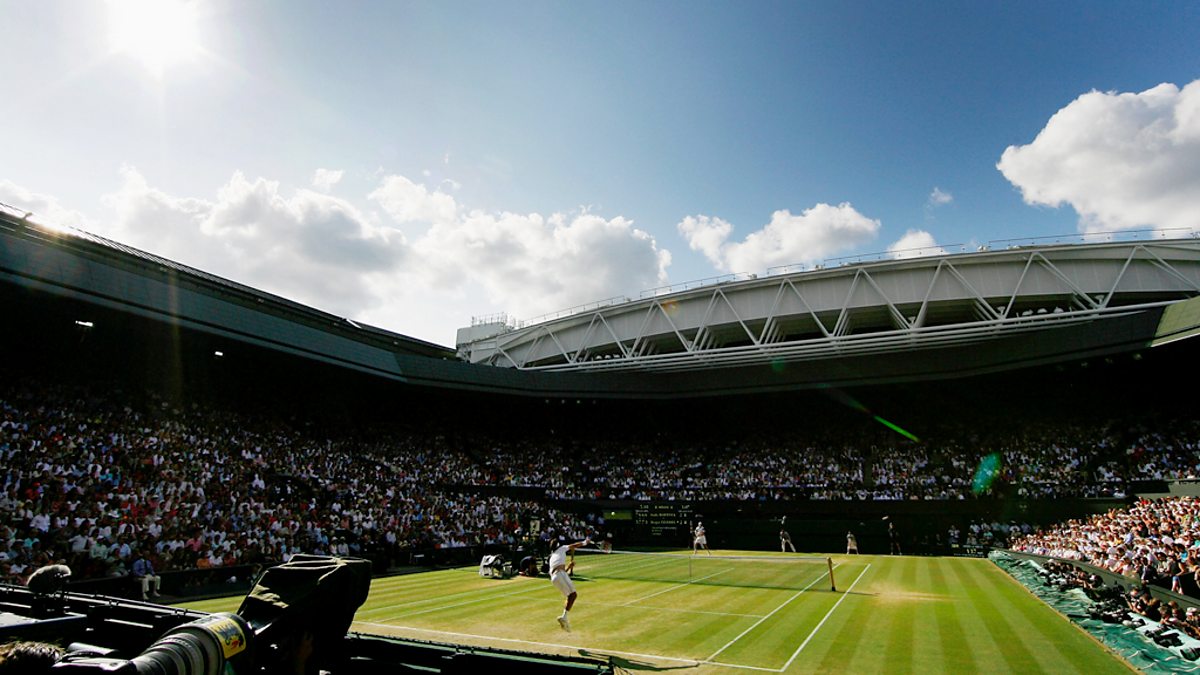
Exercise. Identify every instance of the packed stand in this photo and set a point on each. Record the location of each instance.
(99, 481)
(97, 477)
(1032, 461)
(1152, 541)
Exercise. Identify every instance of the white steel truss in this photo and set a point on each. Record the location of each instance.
(859, 309)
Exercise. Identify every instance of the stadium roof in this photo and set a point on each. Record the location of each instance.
(865, 323)
(859, 309)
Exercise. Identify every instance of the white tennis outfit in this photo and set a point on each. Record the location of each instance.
(701, 540)
(558, 571)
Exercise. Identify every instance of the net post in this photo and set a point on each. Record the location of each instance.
(832, 583)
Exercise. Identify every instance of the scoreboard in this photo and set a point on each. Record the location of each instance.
(670, 521)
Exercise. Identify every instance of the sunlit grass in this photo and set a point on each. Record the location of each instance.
(890, 614)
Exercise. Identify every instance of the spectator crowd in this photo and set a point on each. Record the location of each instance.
(97, 481)
(98, 478)
(1151, 542)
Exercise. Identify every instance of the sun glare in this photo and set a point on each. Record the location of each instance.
(158, 33)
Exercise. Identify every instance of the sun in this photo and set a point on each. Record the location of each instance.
(158, 33)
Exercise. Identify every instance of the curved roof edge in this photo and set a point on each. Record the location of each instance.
(42, 262)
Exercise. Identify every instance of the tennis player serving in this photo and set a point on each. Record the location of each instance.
(560, 576)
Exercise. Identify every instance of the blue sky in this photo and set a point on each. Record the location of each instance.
(414, 165)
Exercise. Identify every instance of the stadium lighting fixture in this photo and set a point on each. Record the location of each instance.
(84, 324)
(218, 354)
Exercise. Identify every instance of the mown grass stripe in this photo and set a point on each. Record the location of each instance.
(654, 608)
(1062, 620)
(925, 625)
(386, 604)
(841, 645)
(825, 618)
(1010, 645)
(945, 601)
(952, 640)
(769, 615)
(1046, 626)
(486, 598)
(640, 655)
(898, 652)
(678, 586)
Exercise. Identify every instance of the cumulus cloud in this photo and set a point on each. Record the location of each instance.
(408, 202)
(938, 197)
(530, 264)
(324, 251)
(535, 264)
(706, 235)
(324, 179)
(1121, 160)
(815, 234)
(45, 209)
(303, 245)
(914, 244)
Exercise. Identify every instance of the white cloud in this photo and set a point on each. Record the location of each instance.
(1120, 160)
(706, 235)
(305, 246)
(44, 208)
(324, 251)
(915, 244)
(812, 236)
(529, 264)
(407, 202)
(533, 264)
(938, 197)
(324, 179)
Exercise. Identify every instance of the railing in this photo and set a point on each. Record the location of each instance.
(897, 254)
(577, 309)
(842, 261)
(1098, 237)
(688, 285)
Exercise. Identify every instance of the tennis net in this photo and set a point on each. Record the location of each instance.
(782, 571)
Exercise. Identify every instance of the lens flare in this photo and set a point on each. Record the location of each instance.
(853, 403)
(986, 474)
(903, 432)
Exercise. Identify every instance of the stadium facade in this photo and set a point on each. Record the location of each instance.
(865, 323)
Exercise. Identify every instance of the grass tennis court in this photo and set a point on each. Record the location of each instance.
(890, 614)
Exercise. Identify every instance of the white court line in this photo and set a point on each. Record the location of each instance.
(756, 623)
(569, 647)
(556, 645)
(686, 583)
(822, 623)
(735, 665)
(674, 609)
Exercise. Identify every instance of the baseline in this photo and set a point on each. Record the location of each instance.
(573, 648)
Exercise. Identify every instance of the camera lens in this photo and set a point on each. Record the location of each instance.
(200, 647)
